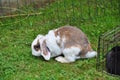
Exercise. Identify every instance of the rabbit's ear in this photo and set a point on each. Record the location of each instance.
(45, 51)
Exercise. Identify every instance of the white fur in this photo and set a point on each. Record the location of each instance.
(52, 45)
(91, 54)
(70, 55)
(34, 52)
(62, 59)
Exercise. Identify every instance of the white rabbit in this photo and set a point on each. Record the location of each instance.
(68, 41)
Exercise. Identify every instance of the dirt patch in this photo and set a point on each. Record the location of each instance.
(9, 6)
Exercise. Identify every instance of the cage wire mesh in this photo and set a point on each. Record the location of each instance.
(75, 13)
(106, 43)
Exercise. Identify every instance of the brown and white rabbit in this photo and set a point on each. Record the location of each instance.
(68, 41)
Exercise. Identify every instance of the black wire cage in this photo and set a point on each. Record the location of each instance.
(108, 59)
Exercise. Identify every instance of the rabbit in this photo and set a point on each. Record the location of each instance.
(68, 41)
(113, 61)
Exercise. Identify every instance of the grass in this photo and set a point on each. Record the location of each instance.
(16, 61)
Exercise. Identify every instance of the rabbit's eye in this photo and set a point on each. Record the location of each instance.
(37, 47)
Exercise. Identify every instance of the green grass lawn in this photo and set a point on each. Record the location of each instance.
(93, 18)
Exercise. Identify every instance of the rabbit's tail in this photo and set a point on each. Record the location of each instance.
(91, 54)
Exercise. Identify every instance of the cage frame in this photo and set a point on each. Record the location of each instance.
(104, 48)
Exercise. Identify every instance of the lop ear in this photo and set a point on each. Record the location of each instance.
(45, 52)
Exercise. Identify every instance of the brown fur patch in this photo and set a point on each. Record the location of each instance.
(74, 37)
(44, 48)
